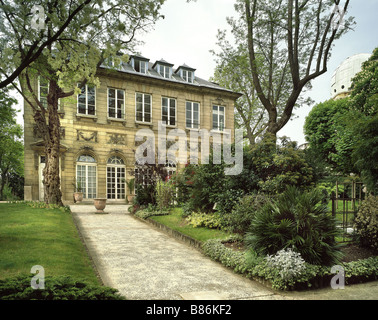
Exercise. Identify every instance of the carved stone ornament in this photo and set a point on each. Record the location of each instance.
(116, 138)
(86, 136)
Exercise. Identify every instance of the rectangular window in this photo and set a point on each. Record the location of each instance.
(116, 103)
(187, 76)
(140, 66)
(165, 71)
(218, 118)
(43, 91)
(192, 115)
(168, 111)
(86, 101)
(143, 108)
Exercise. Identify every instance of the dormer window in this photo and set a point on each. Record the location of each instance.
(140, 64)
(186, 73)
(187, 76)
(163, 68)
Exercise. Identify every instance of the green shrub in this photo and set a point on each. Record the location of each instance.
(227, 200)
(206, 220)
(240, 218)
(296, 220)
(218, 252)
(164, 194)
(366, 222)
(56, 288)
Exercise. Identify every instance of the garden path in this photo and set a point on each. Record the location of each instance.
(144, 263)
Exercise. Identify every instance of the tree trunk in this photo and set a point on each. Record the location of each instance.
(49, 128)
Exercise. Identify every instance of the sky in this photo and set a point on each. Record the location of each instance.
(189, 30)
(188, 33)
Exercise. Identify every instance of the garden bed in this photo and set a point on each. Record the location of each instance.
(354, 253)
(360, 264)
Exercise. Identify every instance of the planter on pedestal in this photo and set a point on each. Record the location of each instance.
(100, 204)
(78, 196)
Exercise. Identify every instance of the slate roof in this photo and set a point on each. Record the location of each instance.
(152, 73)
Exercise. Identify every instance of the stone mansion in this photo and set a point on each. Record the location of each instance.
(98, 129)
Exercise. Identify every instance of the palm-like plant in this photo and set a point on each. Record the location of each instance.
(296, 220)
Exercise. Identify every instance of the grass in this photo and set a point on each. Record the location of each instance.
(45, 237)
(176, 222)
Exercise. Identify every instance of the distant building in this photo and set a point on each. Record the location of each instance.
(344, 74)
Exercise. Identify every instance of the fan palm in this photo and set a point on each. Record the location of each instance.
(296, 220)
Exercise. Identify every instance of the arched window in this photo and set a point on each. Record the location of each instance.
(116, 178)
(86, 176)
(116, 161)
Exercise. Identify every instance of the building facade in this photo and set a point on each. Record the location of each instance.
(98, 127)
(343, 76)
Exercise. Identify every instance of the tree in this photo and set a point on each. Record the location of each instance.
(363, 122)
(344, 132)
(94, 36)
(11, 146)
(233, 72)
(289, 44)
(329, 140)
(22, 39)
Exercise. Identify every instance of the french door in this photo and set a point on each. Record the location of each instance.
(115, 179)
(86, 175)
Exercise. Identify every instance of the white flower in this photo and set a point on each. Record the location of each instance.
(288, 262)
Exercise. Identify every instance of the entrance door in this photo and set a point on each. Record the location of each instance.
(115, 179)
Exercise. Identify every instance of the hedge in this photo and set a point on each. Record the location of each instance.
(55, 288)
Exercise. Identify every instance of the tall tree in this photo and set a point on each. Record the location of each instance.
(98, 33)
(233, 72)
(363, 122)
(11, 146)
(289, 43)
(22, 32)
(325, 130)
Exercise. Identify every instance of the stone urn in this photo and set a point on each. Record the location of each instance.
(78, 196)
(100, 204)
(130, 198)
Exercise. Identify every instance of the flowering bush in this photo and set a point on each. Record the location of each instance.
(287, 262)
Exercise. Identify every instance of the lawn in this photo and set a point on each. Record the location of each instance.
(176, 222)
(38, 236)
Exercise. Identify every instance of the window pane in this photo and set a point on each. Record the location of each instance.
(147, 99)
(164, 102)
(111, 103)
(215, 121)
(120, 94)
(81, 109)
(91, 110)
